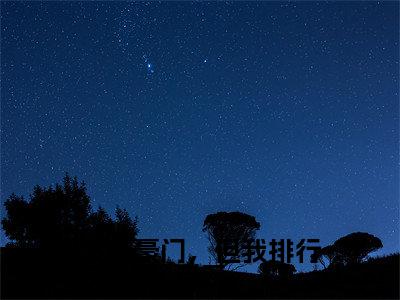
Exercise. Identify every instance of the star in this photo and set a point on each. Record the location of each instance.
(150, 68)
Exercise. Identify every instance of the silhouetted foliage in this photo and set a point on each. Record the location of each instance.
(355, 247)
(125, 228)
(325, 256)
(53, 216)
(276, 269)
(16, 225)
(350, 249)
(100, 229)
(229, 226)
(62, 217)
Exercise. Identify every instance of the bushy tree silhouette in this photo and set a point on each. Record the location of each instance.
(350, 249)
(226, 227)
(61, 217)
(355, 247)
(100, 230)
(125, 229)
(53, 216)
(15, 225)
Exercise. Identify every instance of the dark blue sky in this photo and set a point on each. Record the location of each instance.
(286, 111)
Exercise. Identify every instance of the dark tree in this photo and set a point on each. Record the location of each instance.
(61, 217)
(100, 232)
(53, 217)
(125, 229)
(325, 256)
(16, 225)
(226, 227)
(355, 247)
(276, 269)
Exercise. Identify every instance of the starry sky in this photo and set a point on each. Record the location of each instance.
(175, 110)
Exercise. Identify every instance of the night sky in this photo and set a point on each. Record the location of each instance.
(174, 110)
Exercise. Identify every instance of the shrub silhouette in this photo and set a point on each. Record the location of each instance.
(276, 269)
(61, 217)
(227, 227)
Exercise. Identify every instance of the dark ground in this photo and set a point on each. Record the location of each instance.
(39, 274)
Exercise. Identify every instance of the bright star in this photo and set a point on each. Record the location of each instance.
(150, 68)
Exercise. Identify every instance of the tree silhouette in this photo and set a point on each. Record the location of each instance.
(355, 247)
(225, 227)
(125, 229)
(53, 216)
(276, 269)
(16, 226)
(350, 249)
(325, 256)
(100, 230)
(61, 217)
